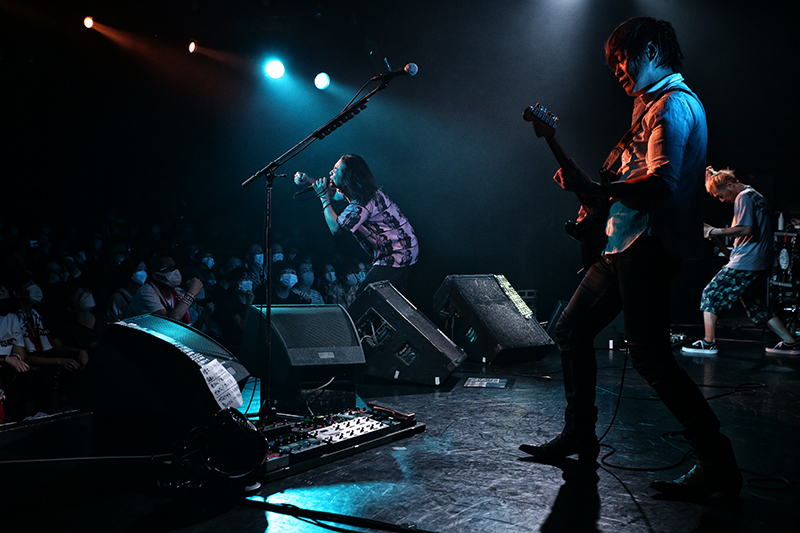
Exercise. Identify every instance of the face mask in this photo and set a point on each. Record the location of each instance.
(352, 280)
(258, 259)
(277, 257)
(246, 286)
(140, 276)
(173, 278)
(35, 294)
(290, 280)
(330, 277)
(361, 276)
(87, 302)
(308, 278)
(208, 261)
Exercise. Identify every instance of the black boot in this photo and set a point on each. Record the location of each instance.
(586, 447)
(702, 481)
(715, 472)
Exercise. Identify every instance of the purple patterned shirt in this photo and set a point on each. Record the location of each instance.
(382, 230)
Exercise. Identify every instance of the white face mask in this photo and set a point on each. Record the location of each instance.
(352, 280)
(140, 276)
(361, 276)
(35, 294)
(208, 262)
(87, 302)
(308, 278)
(277, 257)
(246, 286)
(173, 278)
(330, 276)
(290, 280)
(258, 259)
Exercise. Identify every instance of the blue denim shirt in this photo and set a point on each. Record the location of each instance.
(671, 145)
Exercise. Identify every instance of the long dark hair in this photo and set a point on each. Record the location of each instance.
(357, 179)
(631, 38)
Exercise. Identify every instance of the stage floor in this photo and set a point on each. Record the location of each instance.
(464, 473)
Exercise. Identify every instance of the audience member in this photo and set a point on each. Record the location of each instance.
(305, 281)
(125, 280)
(12, 345)
(233, 308)
(162, 293)
(284, 278)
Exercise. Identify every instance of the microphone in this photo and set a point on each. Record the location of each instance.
(310, 188)
(410, 69)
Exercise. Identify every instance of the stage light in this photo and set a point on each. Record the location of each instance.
(322, 81)
(275, 69)
(88, 22)
(192, 47)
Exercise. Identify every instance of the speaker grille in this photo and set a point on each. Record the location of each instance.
(310, 327)
(486, 316)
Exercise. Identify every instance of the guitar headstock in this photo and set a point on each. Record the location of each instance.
(544, 122)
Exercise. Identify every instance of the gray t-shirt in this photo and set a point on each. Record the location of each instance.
(755, 251)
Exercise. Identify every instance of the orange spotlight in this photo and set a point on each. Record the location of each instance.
(88, 22)
(192, 47)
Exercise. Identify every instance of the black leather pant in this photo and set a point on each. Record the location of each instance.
(636, 282)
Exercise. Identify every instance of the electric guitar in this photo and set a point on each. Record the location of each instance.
(590, 227)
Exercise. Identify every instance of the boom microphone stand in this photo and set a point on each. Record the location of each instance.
(268, 172)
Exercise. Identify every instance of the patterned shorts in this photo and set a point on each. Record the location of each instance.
(729, 285)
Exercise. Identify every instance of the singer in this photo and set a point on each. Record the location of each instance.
(375, 221)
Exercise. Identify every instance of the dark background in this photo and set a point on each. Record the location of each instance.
(125, 120)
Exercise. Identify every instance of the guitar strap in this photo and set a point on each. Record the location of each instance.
(626, 140)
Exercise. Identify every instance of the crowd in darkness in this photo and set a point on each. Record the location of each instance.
(61, 286)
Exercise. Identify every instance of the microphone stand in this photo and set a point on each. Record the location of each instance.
(268, 172)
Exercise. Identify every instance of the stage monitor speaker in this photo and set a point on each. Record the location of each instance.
(312, 346)
(399, 342)
(310, 343)
(486, 317)
(151, 380)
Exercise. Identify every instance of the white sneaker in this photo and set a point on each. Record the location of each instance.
(701, 347)
(784, 348)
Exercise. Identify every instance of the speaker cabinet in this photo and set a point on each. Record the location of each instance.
(485, 316)
(149, 383)
(399, 342)
(315, 355)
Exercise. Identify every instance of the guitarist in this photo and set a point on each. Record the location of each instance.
(654, 222)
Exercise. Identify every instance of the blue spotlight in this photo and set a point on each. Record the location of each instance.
(275, 69)
(322, 81)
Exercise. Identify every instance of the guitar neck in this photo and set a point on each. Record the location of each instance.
(558, 150)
